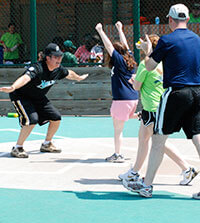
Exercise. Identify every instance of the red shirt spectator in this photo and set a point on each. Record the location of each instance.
(82, 54)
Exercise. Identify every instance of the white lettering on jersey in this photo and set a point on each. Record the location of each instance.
(45, 84)
(112, 71)
(31, 68)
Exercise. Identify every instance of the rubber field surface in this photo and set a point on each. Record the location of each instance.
(77, 185)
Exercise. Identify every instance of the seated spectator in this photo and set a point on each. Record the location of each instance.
(68, 56)
(83, 52)
(12, 40)
(2, 47)
(40, 56)
(96, 51)
(195, 13)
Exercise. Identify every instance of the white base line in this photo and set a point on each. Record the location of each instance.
(105, 145)
(34, 133)
(60, 171)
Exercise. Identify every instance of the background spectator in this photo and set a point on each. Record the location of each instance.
(83, 52)
(195, 13)
(12, 40)
(96, 51)
(68, 56)
(2, 47)
(40, 56)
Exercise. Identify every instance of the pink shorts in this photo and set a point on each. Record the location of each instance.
(123, 110)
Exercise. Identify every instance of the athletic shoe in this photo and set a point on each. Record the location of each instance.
(196, 196)
(19, 152)
(115, 158)
(49, 148)
(138, 187)
(188, 176)
(129, 176)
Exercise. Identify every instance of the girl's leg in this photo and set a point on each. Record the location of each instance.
(174, 154)
(143, 145)
(118, 133)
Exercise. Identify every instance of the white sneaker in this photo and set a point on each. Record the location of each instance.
(115, 158)
(19, 152)
(129, 176)
(49, 148)
(188, 176)
(196, 196)
(138, 187)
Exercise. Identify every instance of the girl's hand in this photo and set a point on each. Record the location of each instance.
(118, 25)
(99, 27)
(149, 49)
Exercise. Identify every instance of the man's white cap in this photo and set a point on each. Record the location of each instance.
(179, 11)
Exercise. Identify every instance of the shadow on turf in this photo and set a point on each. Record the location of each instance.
(91, 195)
(111, 181)
(73, 161)
(98, 181)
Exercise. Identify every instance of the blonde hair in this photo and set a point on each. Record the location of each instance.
(154, 40)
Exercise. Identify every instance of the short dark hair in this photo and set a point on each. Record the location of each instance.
(11, 24)
(96, 38)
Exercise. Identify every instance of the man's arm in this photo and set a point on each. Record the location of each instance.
(150, 63)
(74, 76)
(20, 82)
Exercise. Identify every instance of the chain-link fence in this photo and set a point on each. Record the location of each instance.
(75, 20)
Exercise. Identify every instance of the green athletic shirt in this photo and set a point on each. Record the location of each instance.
(69, 58)
(193, 19)
(10, 41)
(152, 86)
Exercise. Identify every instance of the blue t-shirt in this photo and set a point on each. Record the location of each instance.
(121, 88)
(180, 53)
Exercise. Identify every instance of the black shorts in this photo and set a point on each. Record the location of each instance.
(179, 108)
(148, 117)
(35, 112)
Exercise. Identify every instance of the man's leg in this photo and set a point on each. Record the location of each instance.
(196, 142)
(52, 129)
(155, 157)
(24, 133)
(48, 146)
(145, 188)
(18, 151)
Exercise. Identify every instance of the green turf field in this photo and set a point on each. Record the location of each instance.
(75, 127)
(51, 206)
(30, 206)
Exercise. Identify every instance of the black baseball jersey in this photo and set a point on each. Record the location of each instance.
(41, 81)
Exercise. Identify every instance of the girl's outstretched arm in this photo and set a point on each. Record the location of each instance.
(107, 43)
(121, 34)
